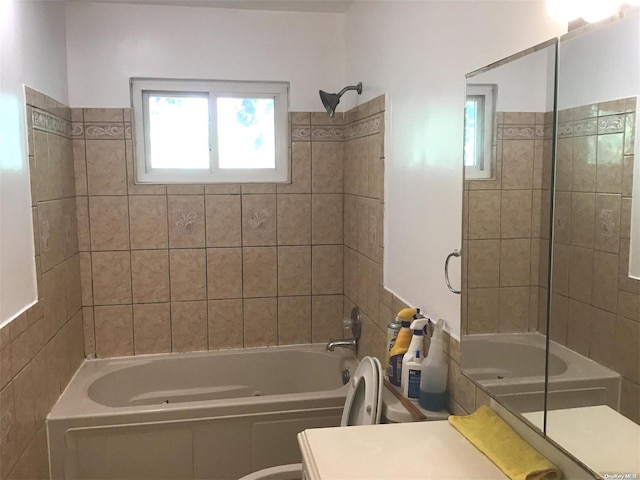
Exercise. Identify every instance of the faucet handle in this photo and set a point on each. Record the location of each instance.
(353, 323)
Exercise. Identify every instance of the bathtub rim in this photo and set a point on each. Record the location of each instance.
(75, 403)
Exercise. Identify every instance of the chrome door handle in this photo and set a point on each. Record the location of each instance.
(455, 253)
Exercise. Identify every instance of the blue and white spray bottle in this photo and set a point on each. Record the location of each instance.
(410, 379)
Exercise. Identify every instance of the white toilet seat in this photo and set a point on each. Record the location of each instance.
(364, 398)
(363, 406)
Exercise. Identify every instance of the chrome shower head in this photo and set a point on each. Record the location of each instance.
(331, 100)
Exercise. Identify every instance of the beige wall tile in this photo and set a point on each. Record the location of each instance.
(514, 309)
(53, 300)
(628, 304)
(186, 221)
(515, 262)
(350, 221)
(294, 219)
(294, 320)
(627, 352)
(188, 274)
(376, 165)
(89, 330)
(580, 273)
(225, 324)
(515, 220)
(222, 189)
(109, 220)
(259, 272)
(150, 276)
(327, 219)
(114, 330)
(327, 269)
(605, 281)
(294, 270)
(258, 188)
(630, 400)
(224, 225)
(564, 160)
(103, 115)
(625, 218)
(627, 176)
(326, 317)
(579, 327)
(603, 338)
(73, 287)
(582, 219)
(484, 310)
(517, 164)
(607, 223)
(560, 269)
(188, 326)
(558, 318)
(629, 134)
(152, 328)
(51, 230)
(484, 263)
(461, 388)
(82, 221)
(70, 227)
(484, 214)
(261, 322)
(561, 219)
(300, 169)
(327, 159)
(106, 167)
(258, 220)
(148, 222)
(185, 189)
(609, 166)
(111, 278)
(584, 164)
(80, 167)
(224, 273)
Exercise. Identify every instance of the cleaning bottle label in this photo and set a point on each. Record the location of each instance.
(395, 369)
(413, 391)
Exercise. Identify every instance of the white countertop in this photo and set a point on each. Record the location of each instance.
(580, 432)
(418, 450)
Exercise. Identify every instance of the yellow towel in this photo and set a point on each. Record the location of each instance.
(504, 447)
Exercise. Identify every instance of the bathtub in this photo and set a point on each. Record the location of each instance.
(511, 367)
(209, 415)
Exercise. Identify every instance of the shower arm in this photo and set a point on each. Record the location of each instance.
(352, 87)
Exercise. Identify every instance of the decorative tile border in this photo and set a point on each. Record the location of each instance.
(516, 132)
(77, 129)
(300, 134)
(327, 134)
(565, 129)
(47, 122)
(362, 128)
(104, 130)
(612, 124)
(585, 127)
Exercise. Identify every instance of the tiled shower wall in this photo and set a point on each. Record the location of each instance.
(504, 231)
(42, 348)
(183, 268)
(595, 305)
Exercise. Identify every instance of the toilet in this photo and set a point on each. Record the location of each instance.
(363, 406)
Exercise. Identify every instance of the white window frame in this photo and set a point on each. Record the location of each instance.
(278, 91)
(484, 168)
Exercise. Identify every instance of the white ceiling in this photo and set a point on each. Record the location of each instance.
(318, 6)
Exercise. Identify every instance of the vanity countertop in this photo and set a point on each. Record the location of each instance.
(394, 451)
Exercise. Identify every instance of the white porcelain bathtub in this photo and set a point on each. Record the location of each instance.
(511, 366)
(216, 415)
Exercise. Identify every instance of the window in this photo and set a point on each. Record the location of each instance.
(480, 136)
(190, 131)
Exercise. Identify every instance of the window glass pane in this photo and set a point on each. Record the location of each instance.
(179, 131)
(246, 133)
(470, 132)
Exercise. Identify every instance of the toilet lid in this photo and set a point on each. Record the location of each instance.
(364, 397)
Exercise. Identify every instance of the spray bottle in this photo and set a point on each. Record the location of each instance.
(411, 368)
(433, 379)
(401, 345)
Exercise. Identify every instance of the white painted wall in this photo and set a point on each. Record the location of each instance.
(32, 52)
(108, 43)
(418, 53)
(524, 84)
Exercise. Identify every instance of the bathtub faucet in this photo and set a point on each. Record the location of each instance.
(353, 324)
